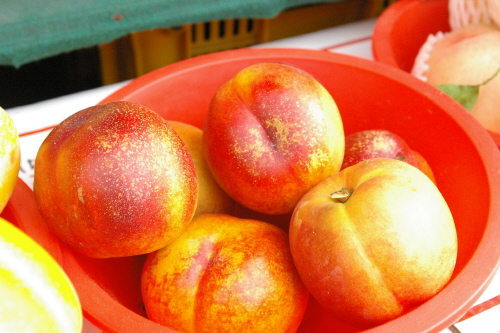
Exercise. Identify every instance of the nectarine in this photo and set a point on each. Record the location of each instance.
(115, 180)
(211, 197)
(363, 145)
(270, 134)
(373, 241)
(225, 274)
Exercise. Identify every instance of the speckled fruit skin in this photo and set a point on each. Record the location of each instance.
(363, 145)
(391, 246)
(211, 197)
(225, 274)
(270, 134)
(115, 180)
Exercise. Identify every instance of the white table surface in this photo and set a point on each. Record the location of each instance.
(35, 121)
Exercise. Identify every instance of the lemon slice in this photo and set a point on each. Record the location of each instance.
(35, 293)
(9, 157)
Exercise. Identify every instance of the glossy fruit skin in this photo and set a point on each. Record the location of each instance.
(225, 274)
(10, 157)
(36, 294)
(270, 134)
(115, 180)
(363, 145)
(390, 247)
(211, 197)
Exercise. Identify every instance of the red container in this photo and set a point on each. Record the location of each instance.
(370, 95)
(403, 28)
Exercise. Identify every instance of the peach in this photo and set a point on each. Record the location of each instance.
(115, 180)
(211, 197)
(373, 241)
(225, 274)
(470, 56)
(270, 134)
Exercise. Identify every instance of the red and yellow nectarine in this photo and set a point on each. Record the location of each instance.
(270, 134)
(373, 241)
(115, 180)
(363, 145)
(225, 274)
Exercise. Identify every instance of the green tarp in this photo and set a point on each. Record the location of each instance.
(36, 29)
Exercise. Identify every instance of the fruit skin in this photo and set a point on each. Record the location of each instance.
(391, 246)
(36, 294)
(211, 197)
(225, 274)
(470, 56)
(270, 134)
(10, 157)
(115, 180)
(363, 145)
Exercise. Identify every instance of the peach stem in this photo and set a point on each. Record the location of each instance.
(341, 195)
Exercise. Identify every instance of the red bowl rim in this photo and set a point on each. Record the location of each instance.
(382, 33)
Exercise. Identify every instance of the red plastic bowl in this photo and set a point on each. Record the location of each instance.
(370, 95)
(403, 28)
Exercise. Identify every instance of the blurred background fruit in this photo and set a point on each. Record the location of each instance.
(9, 157)
(36, 294)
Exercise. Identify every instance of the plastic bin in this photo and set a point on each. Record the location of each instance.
(144, 51)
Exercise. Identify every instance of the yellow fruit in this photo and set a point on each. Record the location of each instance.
(35, 293)
(211, 197)
(9, 157)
